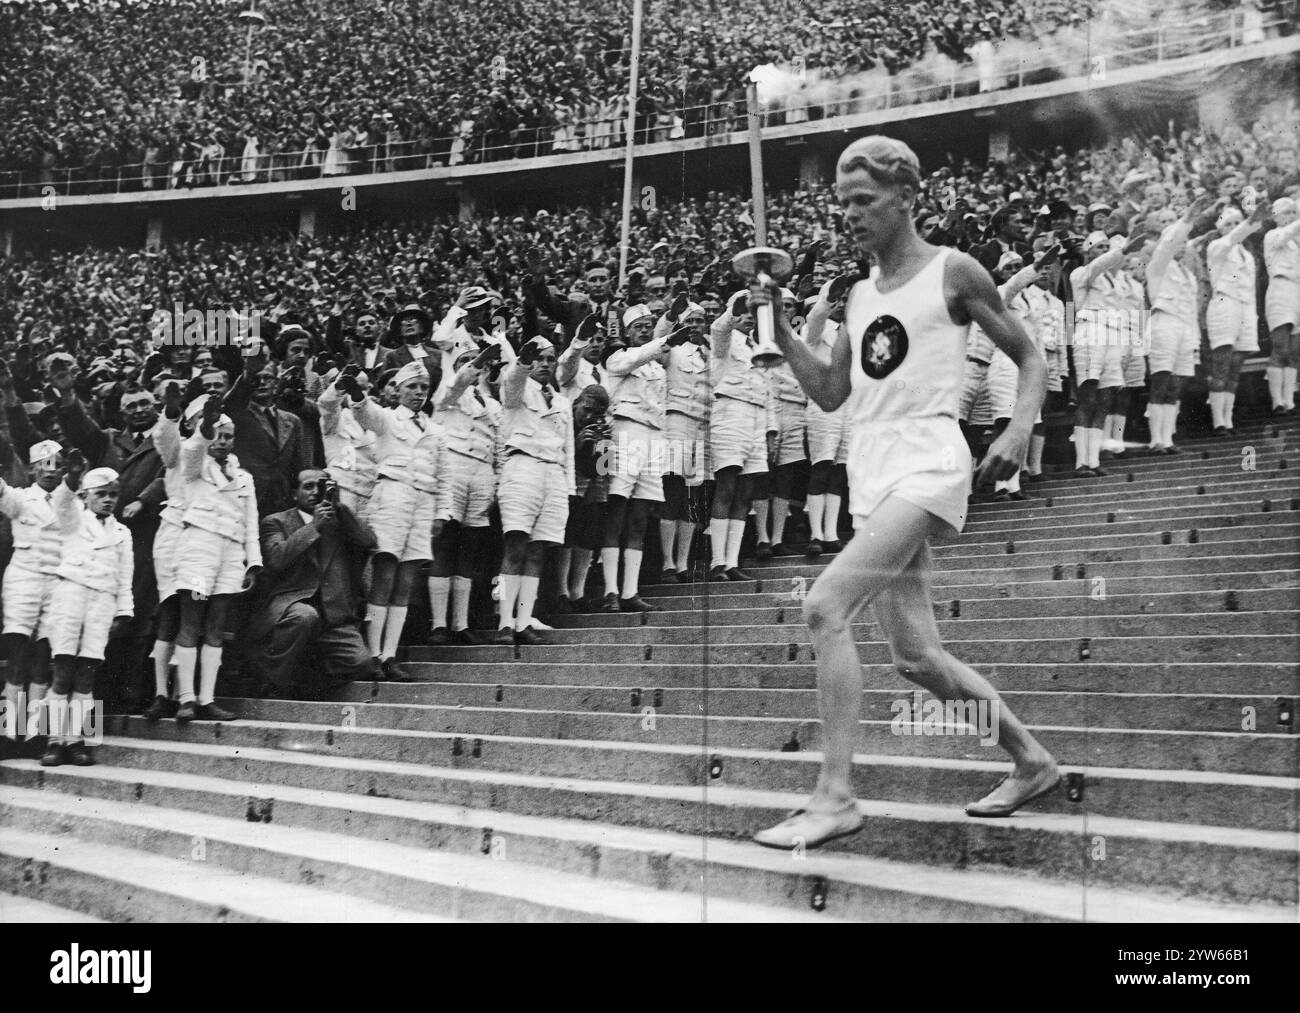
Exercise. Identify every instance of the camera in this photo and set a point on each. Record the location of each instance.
(330, 491)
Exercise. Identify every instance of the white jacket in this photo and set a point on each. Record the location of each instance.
(96, 554)
(37, 543)
(223, 506)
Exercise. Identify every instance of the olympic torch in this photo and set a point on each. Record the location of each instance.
(761, 263)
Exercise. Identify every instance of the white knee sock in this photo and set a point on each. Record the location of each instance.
(685, 535)
(527, 599)
(37, 692)
(83, 717)
(461, 587)
(393, 630)
(1080, 447)
(735, 535)
(1094, 438)
(185, 658)
(508, 587)
(780, 511)
(631, 571)
(1216, 408)
(162, 659)
(578, 570)
(609, 567)
(375, 616)
(439, 593)
(209, 665)
(1274, 375)
(831, 517)
(718, 530)
(1288, 386)
(816, 508)
(1229, 400)
(56, 709)
(1168, 412)
(1034, 465)
(14, 702)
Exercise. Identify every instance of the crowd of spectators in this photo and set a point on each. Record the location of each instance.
(151, 94)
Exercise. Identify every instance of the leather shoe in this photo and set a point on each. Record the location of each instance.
(718, 574)
(763, 550)
(161, 708)
(635, 604)
(611, 603)
(439, 637)
(53, 755)
(211, 712)
(10, 749)
(394, 672)
(186, 712)
(780, 549)
(34, 748)
(814, 548)
(78, 755)
(668, 575)
(735, 573)
(504, 636)
(463, 638)
(529, 638)
(833, 546)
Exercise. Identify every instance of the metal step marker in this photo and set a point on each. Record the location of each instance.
(1266, 506)
(636, 698)
(1230, 601)
(1193, 537)
(1285, 712)
(954, 609)
(1074, 787)
(1166, 537)
(659, 698)
(1085, 648)
(715, 767)
(477, 751)
(792, 652)
(819, 892)
(1011, 548)
(1110, 518)
(1058, 572)
(1081, 571)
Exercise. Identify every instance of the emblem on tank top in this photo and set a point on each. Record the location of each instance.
(884, 347)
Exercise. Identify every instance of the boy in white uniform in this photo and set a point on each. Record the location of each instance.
(28, 584)
(92, 592)
(828, 432)
(1282, 304)
(686, 425)
(898, 363)
(1098, 355)
(1232, 317)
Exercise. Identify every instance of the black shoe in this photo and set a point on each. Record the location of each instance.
(718, 575)
(635, 604)
(463, 638)
(1018, 496)
(211, 712)
(814, 548)
(78, 755)
(10, 749)
(763, 550)
(1040, 477)
(529, 638)
(439, 637)
(161, 708)
(1002, 495)
(563, 607)
(53, 755)
(34, 748)
(186, 711)
(668, 575)
(391, 671)
(1099, 472)
(780, 549)
(580, 606)
(611, 603)
(735, 573)
(1171, 449)
(832, 547)
(1279, 411)
(1220, 430)
(504, 636)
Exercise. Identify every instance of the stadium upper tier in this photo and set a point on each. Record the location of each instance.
(103, 96)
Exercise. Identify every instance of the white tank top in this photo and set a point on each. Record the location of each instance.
(907, 354)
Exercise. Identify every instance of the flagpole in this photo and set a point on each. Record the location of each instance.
(629, 130)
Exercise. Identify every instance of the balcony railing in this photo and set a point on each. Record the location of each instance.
(832, 100)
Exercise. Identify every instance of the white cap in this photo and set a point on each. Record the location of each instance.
(411, 371)
(40, 451)
(97, 478)
(542, 344)
(1094, 239)
(787, 294)
(1009, 258)
(195, 407)
(634, 313)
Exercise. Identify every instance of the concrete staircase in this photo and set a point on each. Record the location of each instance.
(1144, 624)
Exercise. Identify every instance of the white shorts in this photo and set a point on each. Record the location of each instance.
(1282, 303)
(688, 448)
(1003, 382)
(164, 558)
(466, 489)
(924, 461)
(80, 619)
(1173, 345)
(401, 517)
(1133, 368)
(1096, 360)
(534, 497)
(828, 434)
(640, 460)
(791, 422)
(354, 501)
(974, 386)
(208, 564)
(738, 436)
(27, 601)
(1232, 323)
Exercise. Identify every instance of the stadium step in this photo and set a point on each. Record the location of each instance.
(1142, 624)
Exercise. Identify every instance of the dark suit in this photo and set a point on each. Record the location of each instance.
(401, 356)
(270, 445)
(312, 592)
